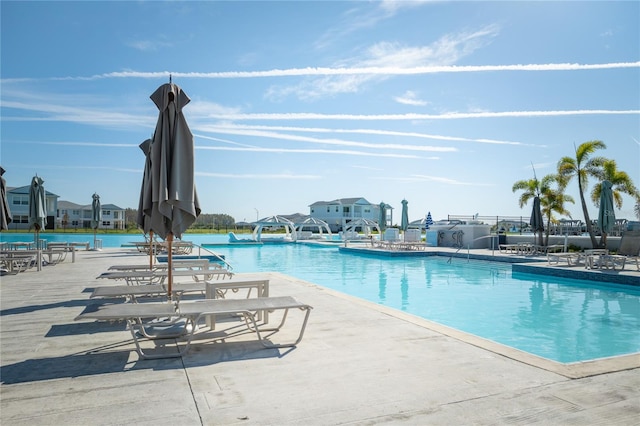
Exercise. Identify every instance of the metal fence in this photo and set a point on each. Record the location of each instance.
(520, 224)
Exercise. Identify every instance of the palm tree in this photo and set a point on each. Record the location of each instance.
(553, 200)
(621, 183)
(620, 180)
(583, 167)
(531, 189)
(636, 210)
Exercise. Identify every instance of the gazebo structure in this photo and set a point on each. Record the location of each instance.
(367, 226)
(274, 222)
(312, 223)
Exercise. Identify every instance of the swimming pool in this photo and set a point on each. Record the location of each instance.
(560, 319)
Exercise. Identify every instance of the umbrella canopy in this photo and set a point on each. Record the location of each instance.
(96, 211)
(174, 199)
(606, 214)
(382, 221)
(428, 221)
(5, 211)
(404, 223)
(37, 204)
(96, 217)
(145, 204)
(536, 222)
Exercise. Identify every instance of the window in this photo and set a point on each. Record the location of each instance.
(115, 215)
(106, 223)
(336, 209)
(106, 212)
(21, 200)
(76, 212)
(328, 211)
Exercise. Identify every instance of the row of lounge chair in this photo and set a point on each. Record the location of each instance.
(628, 253)
(17, 260)
(218, 293)
(528, 249)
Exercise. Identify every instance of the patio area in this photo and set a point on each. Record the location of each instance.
(358, 363)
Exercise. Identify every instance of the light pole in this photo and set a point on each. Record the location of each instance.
(257, 214)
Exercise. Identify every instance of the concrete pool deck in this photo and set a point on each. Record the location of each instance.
(358, 363)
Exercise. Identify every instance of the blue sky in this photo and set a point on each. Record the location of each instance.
(446, 104)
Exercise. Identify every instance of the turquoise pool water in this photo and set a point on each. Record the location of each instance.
(561, 319)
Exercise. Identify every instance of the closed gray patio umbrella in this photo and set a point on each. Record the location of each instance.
(382, 221)
(96, 216)
(536, 222)
(404, 223)
(6, 217)
(37, 207)
(606, 213)
(145, 204)
(143, 220)
(174, 199)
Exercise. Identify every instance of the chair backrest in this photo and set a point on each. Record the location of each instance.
(630, 243)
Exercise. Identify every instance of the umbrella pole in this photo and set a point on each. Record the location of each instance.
(169, 264)
(151, 250)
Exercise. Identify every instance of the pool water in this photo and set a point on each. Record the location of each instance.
(560, 319)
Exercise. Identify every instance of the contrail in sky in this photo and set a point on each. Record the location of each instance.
(328, 71)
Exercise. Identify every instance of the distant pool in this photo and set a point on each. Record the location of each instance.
(556, 318)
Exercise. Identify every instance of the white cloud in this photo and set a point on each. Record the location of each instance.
(445, 51)
(334, 142)
(285, 176)
(410, 98)
(413, 116)
(386, 70)
(308, 151)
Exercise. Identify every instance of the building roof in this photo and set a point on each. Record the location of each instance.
(340, 201)
(24, 190)
(68, 205)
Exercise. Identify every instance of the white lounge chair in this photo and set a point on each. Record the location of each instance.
(192, 312)
(629, 251)
(572, 259)
(212, 289)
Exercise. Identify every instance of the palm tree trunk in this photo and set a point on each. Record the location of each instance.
(594, 243)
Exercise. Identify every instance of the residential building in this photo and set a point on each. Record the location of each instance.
(338, 213)
(18, 199)
(71, 215)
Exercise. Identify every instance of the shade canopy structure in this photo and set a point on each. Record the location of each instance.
(174, 200)
(274, 222)
(428, 221)
(313, 223)
(606, 213)
(5, 211)
(404, 222)
(367, 226)
(382, 220)
(536, 222)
